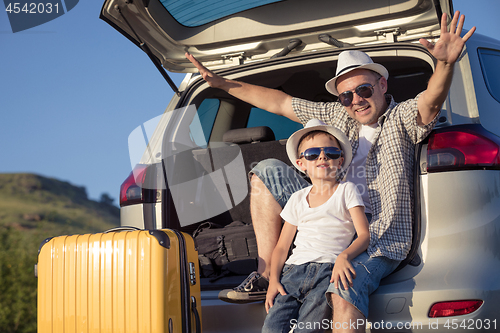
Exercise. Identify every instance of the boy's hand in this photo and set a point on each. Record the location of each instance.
(274, 289)
(343, 271)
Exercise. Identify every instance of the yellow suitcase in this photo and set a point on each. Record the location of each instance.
(119, 281)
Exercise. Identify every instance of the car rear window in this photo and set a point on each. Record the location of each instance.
(207, 112)
(281, 126)
(196, 13)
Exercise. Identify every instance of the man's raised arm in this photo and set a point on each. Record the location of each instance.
(271, 100)
(446, 51)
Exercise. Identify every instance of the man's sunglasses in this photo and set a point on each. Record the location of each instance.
(363, 91)
(312, 154)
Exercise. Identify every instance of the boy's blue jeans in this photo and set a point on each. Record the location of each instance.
(282, 181)
(304, 306)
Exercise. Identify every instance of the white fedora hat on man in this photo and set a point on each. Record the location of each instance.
(317, 125)
(351, 60)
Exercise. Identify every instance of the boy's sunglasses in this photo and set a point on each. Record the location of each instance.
(364, 91)
(312, 154)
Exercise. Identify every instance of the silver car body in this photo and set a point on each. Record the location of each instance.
(456, 251)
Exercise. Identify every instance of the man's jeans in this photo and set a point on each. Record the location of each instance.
(280, 179)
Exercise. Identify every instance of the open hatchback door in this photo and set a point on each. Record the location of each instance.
(224, 33)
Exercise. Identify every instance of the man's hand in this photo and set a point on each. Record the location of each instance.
(449, 46)
(446, 50)
(212, 79)
(271, 100)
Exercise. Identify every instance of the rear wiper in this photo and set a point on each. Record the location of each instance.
(151, 56)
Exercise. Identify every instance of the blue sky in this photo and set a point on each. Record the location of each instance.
(73, 89)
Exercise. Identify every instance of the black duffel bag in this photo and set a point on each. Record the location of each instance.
(229, 250)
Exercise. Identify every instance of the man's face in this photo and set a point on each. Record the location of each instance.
(365, 110)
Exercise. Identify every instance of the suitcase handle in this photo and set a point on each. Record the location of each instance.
(123, 228)
(196, 314)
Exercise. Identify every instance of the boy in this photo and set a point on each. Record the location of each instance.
(326, 216)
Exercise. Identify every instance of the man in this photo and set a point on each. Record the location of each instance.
(383, 135)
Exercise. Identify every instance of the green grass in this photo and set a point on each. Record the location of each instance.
(33, 208)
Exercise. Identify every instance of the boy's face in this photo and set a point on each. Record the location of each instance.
(322, 167)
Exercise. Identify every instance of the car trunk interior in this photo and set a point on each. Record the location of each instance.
(408, 77)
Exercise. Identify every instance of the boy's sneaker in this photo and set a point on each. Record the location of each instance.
(252, 289)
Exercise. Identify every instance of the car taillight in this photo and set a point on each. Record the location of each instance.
(134, 189)
(454, 308)
(462, 147)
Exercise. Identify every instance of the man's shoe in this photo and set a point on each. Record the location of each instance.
(252, 289)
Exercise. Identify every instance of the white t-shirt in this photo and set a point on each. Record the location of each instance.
(322, 232)
(357, 170)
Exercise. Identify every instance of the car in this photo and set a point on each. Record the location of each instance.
(193, 166)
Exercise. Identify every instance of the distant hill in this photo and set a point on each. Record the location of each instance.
(29, 201)
(33, 208)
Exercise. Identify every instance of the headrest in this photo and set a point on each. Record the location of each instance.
(248, 135)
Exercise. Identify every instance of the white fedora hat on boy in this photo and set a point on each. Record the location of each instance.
(351, 60)
(318, 125)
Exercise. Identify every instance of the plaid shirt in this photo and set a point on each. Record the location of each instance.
(389, 167)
